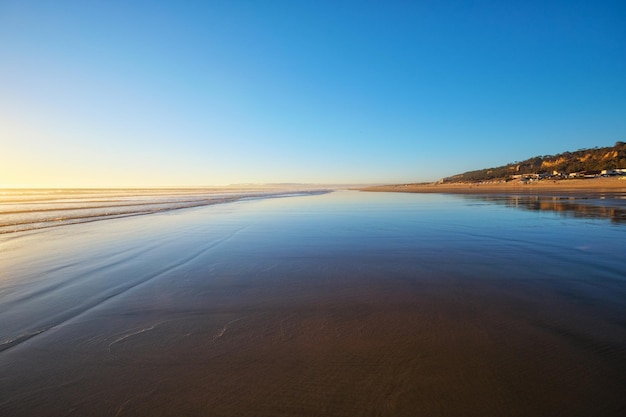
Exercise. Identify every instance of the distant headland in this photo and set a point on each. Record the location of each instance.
(583, 163)
(595, 169)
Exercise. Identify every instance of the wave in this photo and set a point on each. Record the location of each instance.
(22, 211)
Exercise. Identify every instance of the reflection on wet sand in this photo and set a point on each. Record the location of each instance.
(341, 304)
(611, 207)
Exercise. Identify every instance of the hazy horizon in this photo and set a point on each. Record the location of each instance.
(277, 185)
(199, 95)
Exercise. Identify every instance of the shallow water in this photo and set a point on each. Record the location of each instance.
(338, 304)
(23, 210)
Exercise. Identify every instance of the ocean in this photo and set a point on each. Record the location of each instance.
(24, 209)
(340, 303)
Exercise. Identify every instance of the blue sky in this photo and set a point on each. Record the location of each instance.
(164, 93)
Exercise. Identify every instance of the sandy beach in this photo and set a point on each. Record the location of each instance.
(341, 304)
(567, 186)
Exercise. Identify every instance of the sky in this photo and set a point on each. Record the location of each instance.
(171, 93)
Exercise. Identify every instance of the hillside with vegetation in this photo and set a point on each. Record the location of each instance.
(593, 160)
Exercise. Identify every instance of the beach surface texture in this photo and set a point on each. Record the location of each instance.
(325, 304)
(580, 186)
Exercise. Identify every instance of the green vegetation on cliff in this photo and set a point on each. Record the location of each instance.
(596, 159)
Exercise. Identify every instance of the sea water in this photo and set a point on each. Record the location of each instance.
(23, 210)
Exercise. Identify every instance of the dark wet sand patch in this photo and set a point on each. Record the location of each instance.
(347, 348)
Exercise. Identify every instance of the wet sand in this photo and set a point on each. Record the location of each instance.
(315, 322)
(420, 349)
(340, 349)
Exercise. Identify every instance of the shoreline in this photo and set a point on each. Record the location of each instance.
(566, 186)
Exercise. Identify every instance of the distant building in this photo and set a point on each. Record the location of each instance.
(608, 172)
